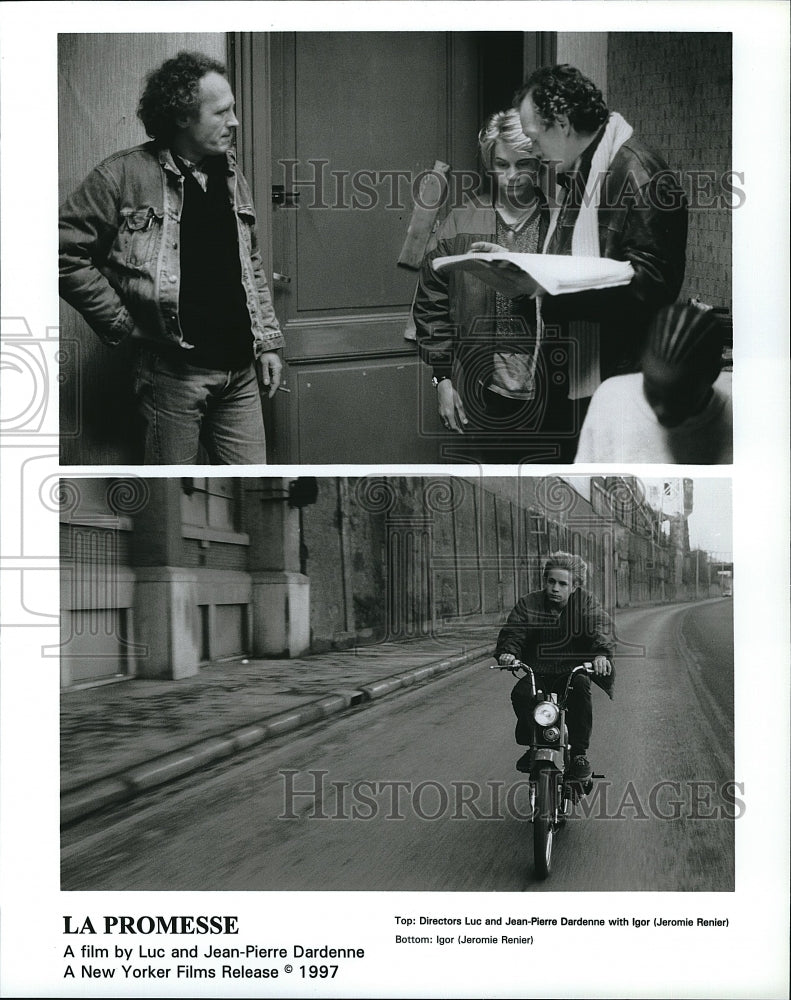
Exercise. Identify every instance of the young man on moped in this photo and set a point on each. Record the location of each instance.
(553, 630)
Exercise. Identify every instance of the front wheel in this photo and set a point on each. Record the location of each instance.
(544, 822)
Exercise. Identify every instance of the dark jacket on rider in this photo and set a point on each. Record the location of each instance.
(553, 643)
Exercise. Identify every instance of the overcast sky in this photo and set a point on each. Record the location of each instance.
(711, 521)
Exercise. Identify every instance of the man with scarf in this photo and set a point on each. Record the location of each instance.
(609, 196)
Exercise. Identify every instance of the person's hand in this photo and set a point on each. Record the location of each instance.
(506, 659)
(516, 283)
(602, 666)
(481, 246)
(451, 408)
(271, 369)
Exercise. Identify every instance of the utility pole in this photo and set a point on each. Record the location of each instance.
(697, 573)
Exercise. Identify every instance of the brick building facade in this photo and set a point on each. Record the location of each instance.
(683, 107)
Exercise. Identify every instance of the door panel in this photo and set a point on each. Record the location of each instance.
(369, 109)
(360, 106)
(329, 393)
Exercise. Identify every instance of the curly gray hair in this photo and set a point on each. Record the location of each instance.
(172, 92)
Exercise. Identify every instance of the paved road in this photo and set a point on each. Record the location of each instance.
(455, 822)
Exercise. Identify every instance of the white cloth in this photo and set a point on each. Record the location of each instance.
(585, 241)
(584, 375)
(621, 427)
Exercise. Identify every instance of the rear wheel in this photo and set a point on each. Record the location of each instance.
(544, 822)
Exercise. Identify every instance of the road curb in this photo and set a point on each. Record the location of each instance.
(94, 796)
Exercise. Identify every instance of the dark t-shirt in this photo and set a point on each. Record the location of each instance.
(212, 303)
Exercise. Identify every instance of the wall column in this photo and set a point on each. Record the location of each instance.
(281, 594)
(165, 593)
(165, 599)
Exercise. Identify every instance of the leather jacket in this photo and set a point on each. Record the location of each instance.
(553, 644)
(119, 250)
(455, 312)
(642, 218)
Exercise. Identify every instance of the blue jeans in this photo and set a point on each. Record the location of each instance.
(183, 406)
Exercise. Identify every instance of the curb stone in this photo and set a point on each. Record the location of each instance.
(93, 796)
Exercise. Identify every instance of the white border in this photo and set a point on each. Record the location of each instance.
(752, 962)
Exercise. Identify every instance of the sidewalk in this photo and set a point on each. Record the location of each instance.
(119, 740)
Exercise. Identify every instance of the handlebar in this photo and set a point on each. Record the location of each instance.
(516, 665)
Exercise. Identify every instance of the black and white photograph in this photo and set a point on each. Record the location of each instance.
(475, 655)
(342, 169)
(313, 684)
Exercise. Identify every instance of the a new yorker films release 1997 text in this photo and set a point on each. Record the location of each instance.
(157, 947)
(185, 947)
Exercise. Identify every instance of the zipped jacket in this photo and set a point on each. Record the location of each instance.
(120, 250)
(455, 313)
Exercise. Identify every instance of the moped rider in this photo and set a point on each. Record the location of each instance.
(553, 630)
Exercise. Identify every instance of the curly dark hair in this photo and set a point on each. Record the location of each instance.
(563, 90)
(171, 92)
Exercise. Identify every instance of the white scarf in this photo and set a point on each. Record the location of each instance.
(584, 377)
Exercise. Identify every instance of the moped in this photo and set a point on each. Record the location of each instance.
(552, 793)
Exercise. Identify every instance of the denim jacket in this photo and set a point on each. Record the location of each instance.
(119, 250)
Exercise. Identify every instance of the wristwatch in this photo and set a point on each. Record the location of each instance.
(436, 381)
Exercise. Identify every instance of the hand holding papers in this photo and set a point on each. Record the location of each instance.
(532, 274)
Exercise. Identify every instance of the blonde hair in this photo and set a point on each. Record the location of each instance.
(565, 560)
(505, 126)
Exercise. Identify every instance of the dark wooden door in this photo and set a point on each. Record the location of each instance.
(355, 118)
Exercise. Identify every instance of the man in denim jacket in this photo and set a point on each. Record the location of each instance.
(158, 244)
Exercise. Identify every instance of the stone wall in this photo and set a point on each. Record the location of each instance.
(675, 89)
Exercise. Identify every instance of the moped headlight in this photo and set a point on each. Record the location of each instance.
(545, 713)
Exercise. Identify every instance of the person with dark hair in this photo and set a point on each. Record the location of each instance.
(609, 196)
(158, 246)
(678, 409)
(553, 630)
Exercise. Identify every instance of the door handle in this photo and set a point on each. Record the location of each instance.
(282, 197)
(283, 279)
